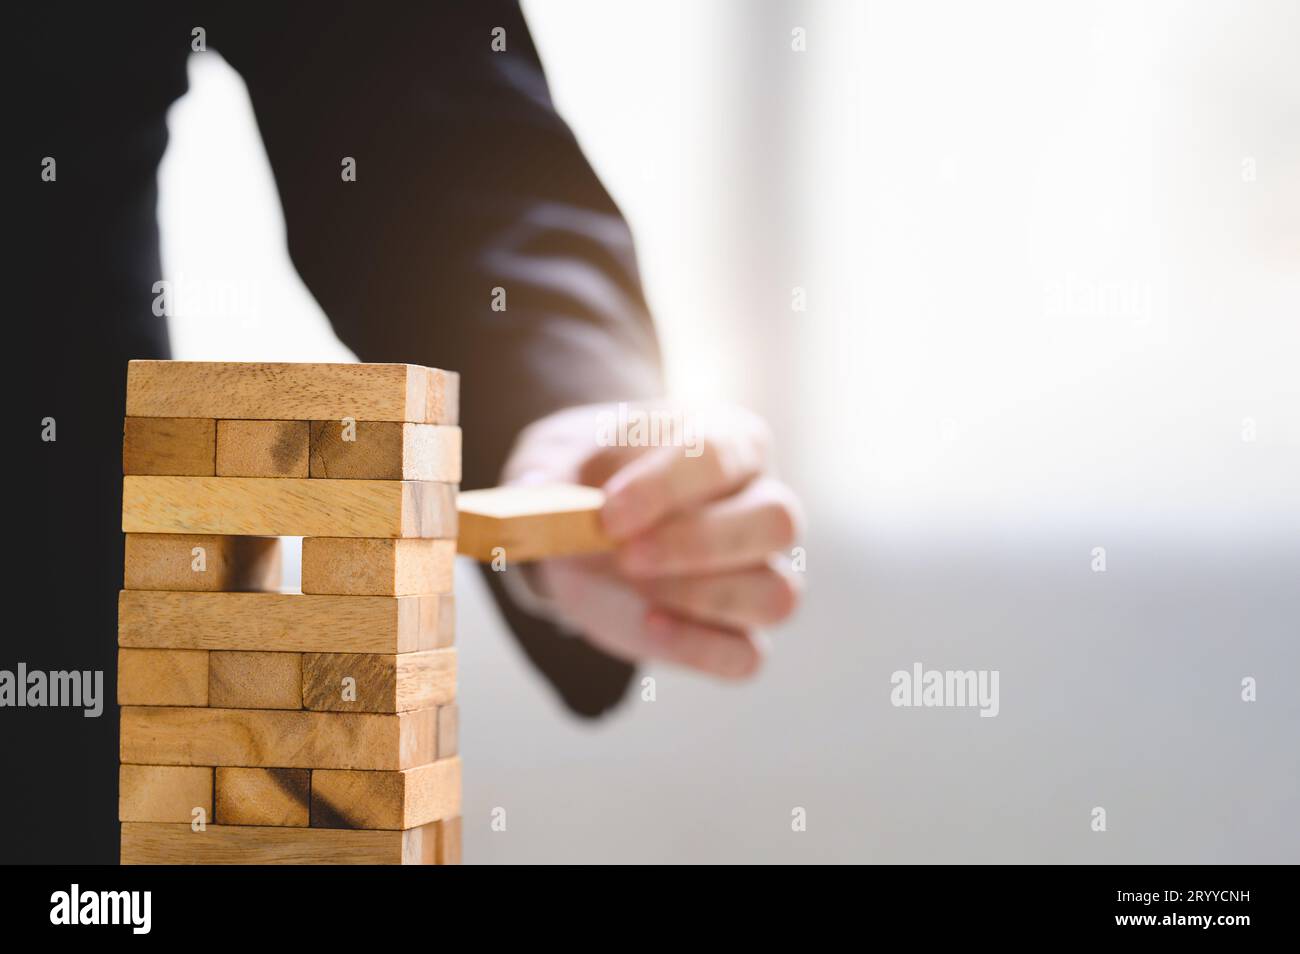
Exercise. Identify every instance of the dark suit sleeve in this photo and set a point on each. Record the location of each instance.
(467, 181)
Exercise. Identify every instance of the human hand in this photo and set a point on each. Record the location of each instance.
(701, 525)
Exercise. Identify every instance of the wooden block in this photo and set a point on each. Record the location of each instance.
(162, 677)
(406, 799)
(169, 446)
(531, 522)
(202, 562)
(154, 844)
(347, 682)
(261, 796)
(299, 392)
(356, 566)
(437, 620)
(163, 793)
(285, 622)
(448, 731)
(263, 448)
(288, 506)
(448, 851)
(269, 738)
(442, 399)
(385, 450)
(255, 680)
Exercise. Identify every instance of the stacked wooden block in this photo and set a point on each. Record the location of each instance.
(261, 726)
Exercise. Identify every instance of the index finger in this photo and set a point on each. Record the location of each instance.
(669, 479)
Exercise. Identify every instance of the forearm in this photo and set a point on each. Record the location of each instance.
(474, 236)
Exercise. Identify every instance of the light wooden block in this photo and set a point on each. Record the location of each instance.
(255, 680)
(448, 851)
(448, 731)
(169, 446)
(385, 450)
(396, 800)
(285, 622)
(263, 448)
(162, 677)
(531, 522)
(262, 796)
(156, 844)
(438, 620)
(338, 682)
(288, 506)
(301, 392)
(163, 793)
(353, 566)
(268, 738)
(202, 562)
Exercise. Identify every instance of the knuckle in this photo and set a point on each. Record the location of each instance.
(787, 516)
(737, 448)
(716, 463)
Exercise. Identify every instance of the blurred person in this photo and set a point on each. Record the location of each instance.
(466, 181)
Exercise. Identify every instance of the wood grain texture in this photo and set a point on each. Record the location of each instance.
(448, 851)
(405, 799)
(285, 622)
(173, 561)
(385, 450)
(442, 399)
(356, 566)
(300, 392)
(255, 680)
(261, 796)
(157, 844)
(420, 846)
(263, 448)
(346, 682)
(169, 446)
(268, 738)
(437, 620)
(532, 522)
(163, 793)
(288, 506)
(448, 731)
(162, 677)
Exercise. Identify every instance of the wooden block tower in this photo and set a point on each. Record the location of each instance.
(260, 726)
